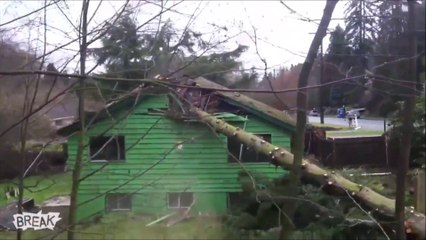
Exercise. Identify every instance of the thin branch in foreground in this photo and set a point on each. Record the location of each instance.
(30, 13)
(368, 214)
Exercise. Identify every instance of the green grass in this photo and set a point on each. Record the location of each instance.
(49, 148)
(115, 225)
(40, 188)
(37, 146)
(354, 133)
(131, 226)
(327, 125)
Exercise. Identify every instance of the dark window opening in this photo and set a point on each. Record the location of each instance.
(157, 110)
(180, 200)
(226, 107)
(118, 202)
(239, 202)
(107, 148)
(236, 200)
(242, 202)
(59, 122)
(244, 153)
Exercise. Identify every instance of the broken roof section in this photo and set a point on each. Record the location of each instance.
(280, 118)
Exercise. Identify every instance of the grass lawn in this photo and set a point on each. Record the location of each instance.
(40, 188)
(130, 226)
(354, 133)
(327, 125)
(32, 146)
(115, 225)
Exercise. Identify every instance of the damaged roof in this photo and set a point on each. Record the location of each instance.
(257, 108)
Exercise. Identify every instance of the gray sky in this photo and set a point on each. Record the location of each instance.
(283, 38)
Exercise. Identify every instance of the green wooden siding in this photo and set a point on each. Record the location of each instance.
(200, 166)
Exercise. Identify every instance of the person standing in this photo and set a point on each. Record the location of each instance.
(350, 119)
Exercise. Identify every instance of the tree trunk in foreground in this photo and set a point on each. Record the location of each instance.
(407, 127)
(303, 81)
(299, 138)
(72, 217)
(340, 185)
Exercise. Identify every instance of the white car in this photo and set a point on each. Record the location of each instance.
(314, 113)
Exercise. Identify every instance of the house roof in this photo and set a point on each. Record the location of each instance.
(257, 108)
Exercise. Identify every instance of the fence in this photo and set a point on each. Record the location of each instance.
(344, 152)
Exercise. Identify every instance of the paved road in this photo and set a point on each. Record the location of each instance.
(366, 124)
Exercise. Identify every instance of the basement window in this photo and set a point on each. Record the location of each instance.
(118, 202)
(236, 200)
(180, 200)
(244, 153)
(107, 148)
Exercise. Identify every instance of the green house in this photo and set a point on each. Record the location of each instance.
(136, 159)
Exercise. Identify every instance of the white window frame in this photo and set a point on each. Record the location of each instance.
(179, 200)
(117, 206)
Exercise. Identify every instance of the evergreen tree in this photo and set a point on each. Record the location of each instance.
(392, 45)
(246, 79)
(133, 53)
(218, 67)
(339, 49)
(361, 33)
(361, 21)
(339, 57)
(122, 49)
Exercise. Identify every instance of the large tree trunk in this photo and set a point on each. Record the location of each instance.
(407, 127)
(380, 205)
(299, 137)
(303, 81)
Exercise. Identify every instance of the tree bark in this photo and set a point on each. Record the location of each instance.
(303, 81)
(322, 176)
(321, 89)
(407, 128)
(299, 137)
(72, 217)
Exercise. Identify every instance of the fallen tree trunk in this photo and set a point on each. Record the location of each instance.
(282, 157)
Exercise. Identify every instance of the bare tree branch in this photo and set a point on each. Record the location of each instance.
(72, 217)
(30, 13)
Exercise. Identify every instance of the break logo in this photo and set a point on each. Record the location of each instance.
(37, 221)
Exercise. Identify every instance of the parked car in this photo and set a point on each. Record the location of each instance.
(352, 114)
(355, 113)
(314, 113)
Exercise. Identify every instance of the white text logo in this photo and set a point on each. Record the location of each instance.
(37, 221)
